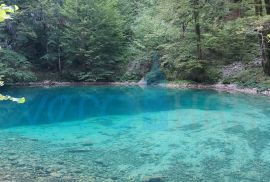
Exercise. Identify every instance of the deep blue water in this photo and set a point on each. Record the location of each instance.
(101, 133)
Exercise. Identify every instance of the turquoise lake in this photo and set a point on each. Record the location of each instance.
(125, 134)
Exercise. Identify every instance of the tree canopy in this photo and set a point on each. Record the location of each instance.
(114, 40)
(4, 14)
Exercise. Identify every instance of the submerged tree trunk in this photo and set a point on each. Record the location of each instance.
(258, 7)
(267, 6)
(197, 28)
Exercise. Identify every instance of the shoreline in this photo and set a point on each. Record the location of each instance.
(231, 88)
(64, 84)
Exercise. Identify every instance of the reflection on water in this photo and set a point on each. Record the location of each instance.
(61, 104)
(134, 134)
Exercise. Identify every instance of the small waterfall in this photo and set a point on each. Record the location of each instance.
(155, 76)
(155, 62)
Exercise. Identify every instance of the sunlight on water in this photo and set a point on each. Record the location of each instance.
(134, 134)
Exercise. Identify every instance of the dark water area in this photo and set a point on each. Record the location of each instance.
(68, 104)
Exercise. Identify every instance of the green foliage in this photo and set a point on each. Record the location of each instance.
(193, 70)
(14, 67)
(4, 14)
(92, 40)
(232, 42)
(190, 70)
(251, 78)
(213, 75)
(6, 10)
(245, 78)
(183, 82)
(169, 27)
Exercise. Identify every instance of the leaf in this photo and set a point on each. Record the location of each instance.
(18, 100)
(5, 10)
(3, 15)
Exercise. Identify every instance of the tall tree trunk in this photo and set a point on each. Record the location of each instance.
(267, 6)
(234, 12)
(59, 59)
(258, 7)
(238, 10)
(197, 27)
(265, 50)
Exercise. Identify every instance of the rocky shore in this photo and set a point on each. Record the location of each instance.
(220, 87)
(61, 84)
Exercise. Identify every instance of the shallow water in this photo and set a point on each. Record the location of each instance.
(134, 134)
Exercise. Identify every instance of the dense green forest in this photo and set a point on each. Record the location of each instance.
(126, 40)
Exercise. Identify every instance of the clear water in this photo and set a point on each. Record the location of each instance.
(134, 134)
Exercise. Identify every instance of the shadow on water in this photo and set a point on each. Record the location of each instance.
(50, 105)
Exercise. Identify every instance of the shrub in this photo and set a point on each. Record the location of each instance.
(190, 70)
(212, 75)
(252, 78)
(232, 43)
(193, 70)
(14, 67)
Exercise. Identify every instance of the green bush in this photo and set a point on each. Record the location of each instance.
(194, 70)
(191, 70)
(233, 42)
(212, 75)
(14, 67)
(251, 78)
(243, 78)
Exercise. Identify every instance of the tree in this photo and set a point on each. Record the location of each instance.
(197, 28)
(53, 21)
(93, 39)
(4, 10)
(258, 7)
(267, 6)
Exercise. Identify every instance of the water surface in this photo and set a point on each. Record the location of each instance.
(124, 134)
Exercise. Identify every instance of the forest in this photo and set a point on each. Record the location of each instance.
(204, 41)
(134, 90)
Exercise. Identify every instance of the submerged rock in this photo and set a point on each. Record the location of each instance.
(101, 163)
(157, 178)
(87, 144)
(77, 150)
(56, 174)
(114, 178)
